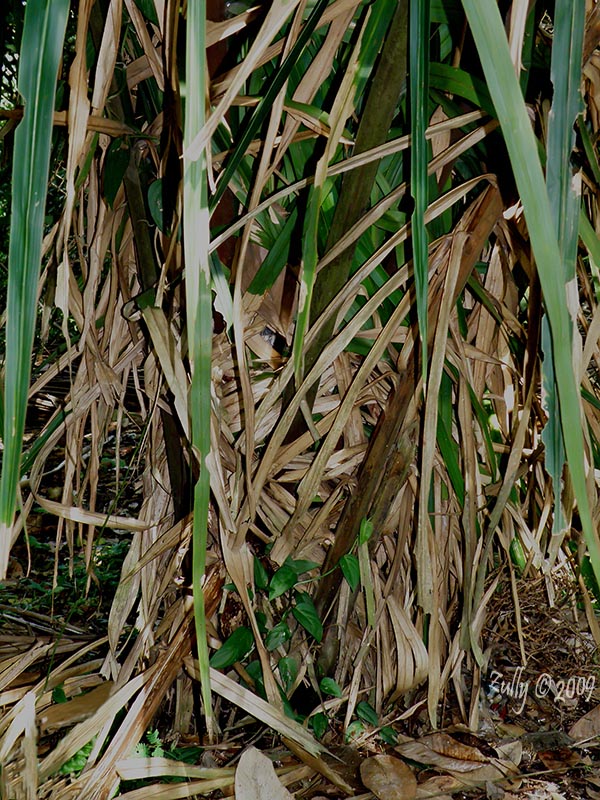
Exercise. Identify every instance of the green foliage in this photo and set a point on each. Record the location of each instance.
(41, 49)
(329, 686)
(367, 713)
(306, 614)
(282, 581)
(76, 763)
(278, 635)
(351, 570)
(235, 648)
(319, 723)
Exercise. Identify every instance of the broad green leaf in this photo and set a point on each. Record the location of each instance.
(300, 565)
(366, 531)
(350, 570)
(331, 687)
(306, 614)
(75, 764)
(235, 648)
(261, 621)
(254, 670)
(278, 635)
(115, 166)
(261, 577)
(367, 713)
(463, 84)
(388, 735)
(288, 670)
(517, 554)
(282, 581)
(58, 695)
(155, 203)
(319, 724)
(354, 731)
(148, 9)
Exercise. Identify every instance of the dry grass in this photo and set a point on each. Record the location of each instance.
(273, 491)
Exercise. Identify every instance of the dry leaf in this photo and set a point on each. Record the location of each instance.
(559, 759)
(440, 750)
(388, 778)
(439, 787)
(255, 778)
(586, 727)
(76, 710)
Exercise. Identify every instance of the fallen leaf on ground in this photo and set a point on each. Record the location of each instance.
(561, 758)
(255, 778)
(439, 787)
(440, 750)
(586, 727)
(388, 778)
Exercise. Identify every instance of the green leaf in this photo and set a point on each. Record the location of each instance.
(261, 577)
(517, 554)
(155, 203)
(233, 649)
(367, 713)
(447, 78)
(419, 181)
(282, 581)
(354, 731)
(319, 724)
(300, 565)
(278, 635)
(350, 570)
(331, 687)
(276, 258)
(58, 695)
(264, 108)
(565, 204)
(41, 51)
(388, 735)
(366, 531)
(198, 293)
(254, 670)
(306, 614)
(148, 9)
(261, 621)
(288, 670)
(489, 34)
(75, 764)
(115, 166)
